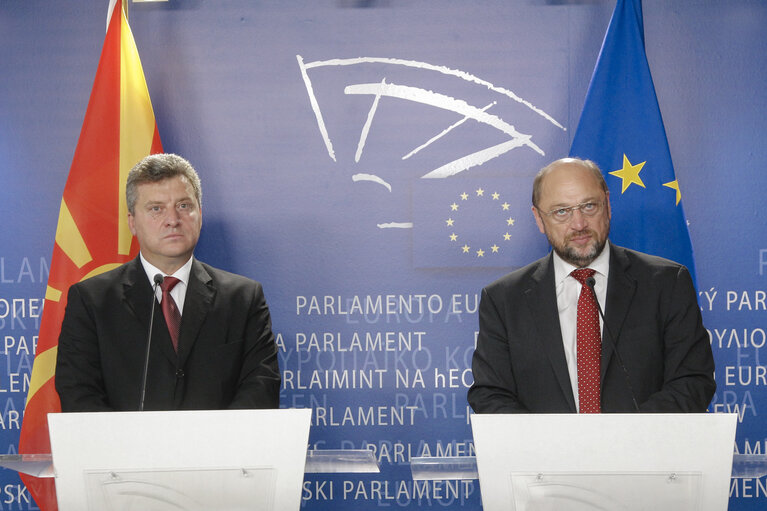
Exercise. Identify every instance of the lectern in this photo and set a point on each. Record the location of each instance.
(193, 460)
(190, 460)
(630, 462)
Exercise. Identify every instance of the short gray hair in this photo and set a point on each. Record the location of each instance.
(586, 164)
(158, 167)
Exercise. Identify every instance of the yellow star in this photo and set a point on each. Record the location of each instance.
(464, 196)
(454, 207)
(449, 222)
(453, 237)
(505, 206)
(465, 249)
(507, 236)
(629, 174)
(480, 253)
(480, 192)
(496, 195)
(494, 248)
(510, 221)
(674, 185)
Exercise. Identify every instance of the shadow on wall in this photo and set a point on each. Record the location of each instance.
(216, 246)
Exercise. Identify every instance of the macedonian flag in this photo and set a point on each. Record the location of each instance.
(92, 235)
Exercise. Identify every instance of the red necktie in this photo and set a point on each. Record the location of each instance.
(589, 345)
(170, 310)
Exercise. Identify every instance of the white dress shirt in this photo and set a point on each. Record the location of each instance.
(179, 290)
(568, 290)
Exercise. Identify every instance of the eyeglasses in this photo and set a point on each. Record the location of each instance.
(562, 215)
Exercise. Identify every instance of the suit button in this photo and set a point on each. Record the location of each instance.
(179, 373)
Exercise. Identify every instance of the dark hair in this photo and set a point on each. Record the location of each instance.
(158, 167)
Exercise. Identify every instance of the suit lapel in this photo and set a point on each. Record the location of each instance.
(542, 306)
(137, 293)
(620, 293)
(198, 302)
(137, 296)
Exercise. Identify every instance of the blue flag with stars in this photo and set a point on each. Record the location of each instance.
(622, 131)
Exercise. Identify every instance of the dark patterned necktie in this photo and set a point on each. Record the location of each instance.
(589, 345)
(170, 309)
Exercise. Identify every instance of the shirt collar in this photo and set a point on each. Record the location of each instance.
(563, 269)
(181, 274)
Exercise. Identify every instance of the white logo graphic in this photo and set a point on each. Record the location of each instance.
(512, 138)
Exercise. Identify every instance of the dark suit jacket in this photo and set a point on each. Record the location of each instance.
(651, 313)
(227, 357)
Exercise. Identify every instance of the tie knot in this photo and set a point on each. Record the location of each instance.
(168, 283)
(583, 274)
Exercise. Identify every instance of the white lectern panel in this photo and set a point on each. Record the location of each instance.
(174, 490)
(219, 459)
(621, 461)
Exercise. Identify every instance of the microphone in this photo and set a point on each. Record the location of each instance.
(157, 281)
(591, 282)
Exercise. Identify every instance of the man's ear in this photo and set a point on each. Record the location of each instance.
(538, 219)
(131, 224)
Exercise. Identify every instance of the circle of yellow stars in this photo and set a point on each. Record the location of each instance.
(451, 222)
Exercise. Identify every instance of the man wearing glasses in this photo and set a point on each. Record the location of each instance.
(544, 345)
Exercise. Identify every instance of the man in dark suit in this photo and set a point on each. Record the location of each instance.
(655, 354)
(220, 353)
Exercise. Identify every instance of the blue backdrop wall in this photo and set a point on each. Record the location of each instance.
(332, 138)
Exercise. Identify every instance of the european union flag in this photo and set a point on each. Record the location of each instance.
(621, 129)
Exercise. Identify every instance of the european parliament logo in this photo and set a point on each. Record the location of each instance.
(475, 223)
(392, 124)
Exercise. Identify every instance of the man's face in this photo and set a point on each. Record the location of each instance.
(166, 221)
(580, 239)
